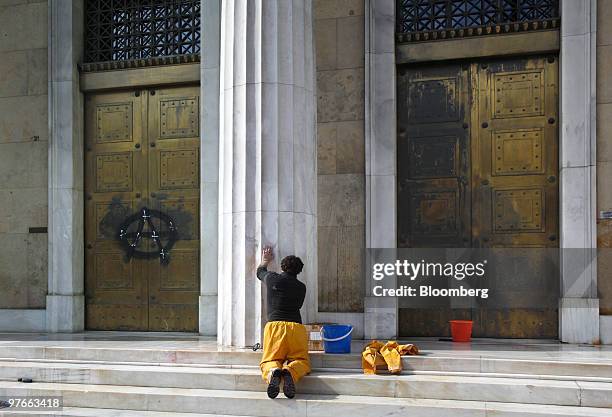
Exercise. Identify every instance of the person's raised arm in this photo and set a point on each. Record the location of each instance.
(267, 255)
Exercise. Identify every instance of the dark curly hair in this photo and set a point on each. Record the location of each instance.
(292, 265)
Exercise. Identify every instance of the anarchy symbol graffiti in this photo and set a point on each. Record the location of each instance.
(163, 240)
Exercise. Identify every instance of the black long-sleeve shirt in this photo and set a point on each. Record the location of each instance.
(285, 295)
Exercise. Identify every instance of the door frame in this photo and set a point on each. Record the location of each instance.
(579, 308)
(65, 303)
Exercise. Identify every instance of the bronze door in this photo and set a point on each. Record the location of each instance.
(503, 193)
(142, 170)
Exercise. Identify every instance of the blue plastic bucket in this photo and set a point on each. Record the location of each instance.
(336, 338)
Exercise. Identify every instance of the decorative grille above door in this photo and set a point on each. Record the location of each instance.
(422, 20)
(141, 30)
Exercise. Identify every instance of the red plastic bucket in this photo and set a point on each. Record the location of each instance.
(461, 330)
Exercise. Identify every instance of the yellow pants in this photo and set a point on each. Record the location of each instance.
(285, 341)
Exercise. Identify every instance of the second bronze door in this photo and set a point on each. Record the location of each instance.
(477, 167)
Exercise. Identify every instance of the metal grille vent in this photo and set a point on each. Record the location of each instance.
(123, 30)
(431, 19)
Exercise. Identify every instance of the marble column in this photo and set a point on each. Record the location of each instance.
(381, 314)
(579, 305)
(65, 301)
(267, 155)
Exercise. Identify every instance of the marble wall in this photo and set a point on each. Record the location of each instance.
(604, 153)
(23, 153)
(339, 44)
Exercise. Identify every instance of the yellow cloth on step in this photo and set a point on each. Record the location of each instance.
(377, 355)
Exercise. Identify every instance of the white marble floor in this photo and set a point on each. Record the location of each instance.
(478, 348)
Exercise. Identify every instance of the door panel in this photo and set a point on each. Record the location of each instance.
(433, 164)
(515, 154)
(174, 163)
(140, 155)
(116, 171)
(433, 171)
(515, 185)
(477, 167)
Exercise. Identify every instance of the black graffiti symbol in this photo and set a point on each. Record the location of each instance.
(130, 241)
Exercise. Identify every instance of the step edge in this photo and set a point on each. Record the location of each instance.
(322, 373)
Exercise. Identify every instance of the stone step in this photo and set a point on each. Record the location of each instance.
(544, 365)
(236, 403)
(102, 412)
(494, 388)
(21, 364)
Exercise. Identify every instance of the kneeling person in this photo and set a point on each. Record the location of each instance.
(285, 350)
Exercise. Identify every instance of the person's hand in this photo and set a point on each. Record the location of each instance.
(267, 255)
